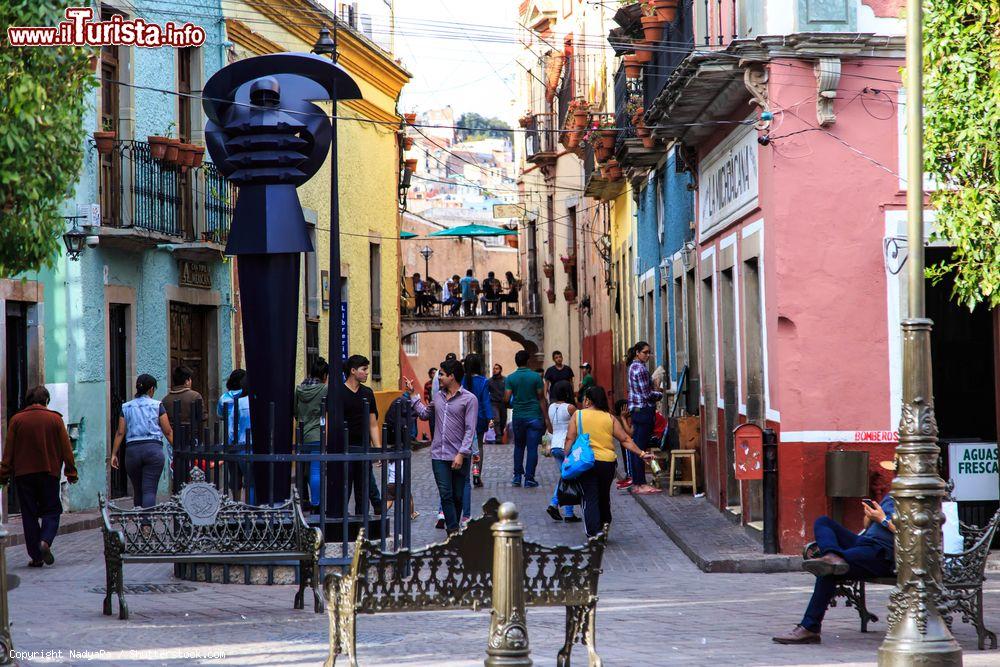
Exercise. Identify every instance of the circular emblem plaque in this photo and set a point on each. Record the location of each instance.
(201, 501)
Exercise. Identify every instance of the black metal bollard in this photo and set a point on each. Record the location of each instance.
(770, 491)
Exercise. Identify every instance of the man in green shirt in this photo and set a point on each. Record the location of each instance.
(525, 392)
(586, 383)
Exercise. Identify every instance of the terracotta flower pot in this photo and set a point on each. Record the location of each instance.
(649, 141)
(612, 170)
(666, 9)
(185, 156)
(633, 68)
(157, 146)
(198, 156)
(581, 117)
(642, 131)
(550, 295)
(644, 52)
(411, 164)
(524, 121)
(105, 141)
(173, 151)
(652, 28)
(572, 139)
(602, 154)
(410, 118)
(512, 241)
(407, 143)
(570, 294)
(548, 270)
(608, 138)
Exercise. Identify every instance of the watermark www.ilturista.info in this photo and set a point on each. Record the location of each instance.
(80, 30)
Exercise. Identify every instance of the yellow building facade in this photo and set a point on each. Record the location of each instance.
(369, 167)
(623, 224)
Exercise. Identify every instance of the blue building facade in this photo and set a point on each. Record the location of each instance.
(152, 289)
(665, 212)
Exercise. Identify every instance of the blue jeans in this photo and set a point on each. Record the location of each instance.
(314, 471)
(527, 437)
(865, 557)
(559, 455)
(144, 463)
(642, 429)
(450, 484)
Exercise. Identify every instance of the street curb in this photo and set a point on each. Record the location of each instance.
(70, 524)
(764, 564)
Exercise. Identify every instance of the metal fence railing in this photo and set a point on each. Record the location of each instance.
(676, 44)
(326, 473)
(541, 135)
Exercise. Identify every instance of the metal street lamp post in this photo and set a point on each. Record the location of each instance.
(427, 251)
(918, 634)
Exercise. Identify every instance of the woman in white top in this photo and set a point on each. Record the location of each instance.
(560, 414)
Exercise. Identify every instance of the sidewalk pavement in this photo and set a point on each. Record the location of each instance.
(709, 539)
(656, 609)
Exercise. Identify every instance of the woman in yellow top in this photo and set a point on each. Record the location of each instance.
(602, 428)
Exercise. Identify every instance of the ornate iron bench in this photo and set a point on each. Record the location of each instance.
(200, 525)
(457, 574)
(963, 575)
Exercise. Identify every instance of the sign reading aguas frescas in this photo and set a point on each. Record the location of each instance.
(972, 466)
(728, 181)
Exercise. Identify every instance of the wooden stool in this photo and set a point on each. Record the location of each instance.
(689, 455)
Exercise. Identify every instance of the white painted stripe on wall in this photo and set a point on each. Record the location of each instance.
(828, 436)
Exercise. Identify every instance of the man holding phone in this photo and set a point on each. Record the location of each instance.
(843, 552)
(454, 411)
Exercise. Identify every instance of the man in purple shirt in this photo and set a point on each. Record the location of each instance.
(454, 411)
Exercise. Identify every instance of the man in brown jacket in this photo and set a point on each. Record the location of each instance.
(184, 405)
(34, 453)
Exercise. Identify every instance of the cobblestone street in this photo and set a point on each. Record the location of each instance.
(656, 607)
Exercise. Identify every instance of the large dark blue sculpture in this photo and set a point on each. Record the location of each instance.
(267, 137)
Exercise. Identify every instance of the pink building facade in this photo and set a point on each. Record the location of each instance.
(796, 144)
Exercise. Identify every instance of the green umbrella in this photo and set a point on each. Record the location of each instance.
(471, 232)
(408, 235)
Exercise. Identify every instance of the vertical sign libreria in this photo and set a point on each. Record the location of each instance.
(728, 181)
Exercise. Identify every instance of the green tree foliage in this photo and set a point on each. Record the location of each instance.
(42, 102)
(962, 140)
(480, 127)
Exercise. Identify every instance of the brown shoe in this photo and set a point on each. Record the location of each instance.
(830, 564)
(799, 636)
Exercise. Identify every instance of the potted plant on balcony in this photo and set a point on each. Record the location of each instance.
(524, 121)
(633, 68)
(158, 146)
(410, 118)
(665, 9)
(612, 170)
(570, 294)
(411, 164)
(550, 295)
(644, 51)
(105, 140)
(568, 262)
(197, 156)
(652, 23)
(407, 143)
(581, 113)
(548, 270)
(172, 156)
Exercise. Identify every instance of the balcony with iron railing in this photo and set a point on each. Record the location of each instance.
(676, 45)
(147, 201)
(541, 138)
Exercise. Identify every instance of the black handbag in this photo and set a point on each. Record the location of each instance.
(569, 492)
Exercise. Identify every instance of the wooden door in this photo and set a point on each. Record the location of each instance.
(189, 343)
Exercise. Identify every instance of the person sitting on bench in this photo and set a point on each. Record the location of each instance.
(843, 552)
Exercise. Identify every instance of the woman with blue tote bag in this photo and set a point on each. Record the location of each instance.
(594, 428)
